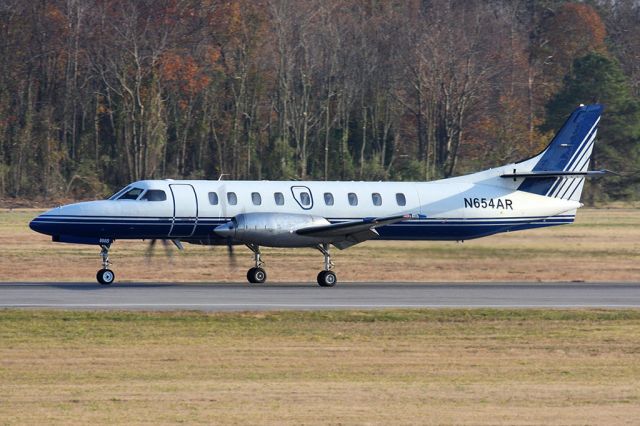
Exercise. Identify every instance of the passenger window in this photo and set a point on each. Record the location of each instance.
(232, 198)
(154, 195)
(256, 199)
(303, 197)
(376, 198)
(132, 194)
(400, 199)
(328, 198)
(213, 198)
(279, 198)
(353, 199)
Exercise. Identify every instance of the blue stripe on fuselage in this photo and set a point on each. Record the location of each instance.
(417, 229)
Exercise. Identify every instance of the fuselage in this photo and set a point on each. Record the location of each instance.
(461, 208)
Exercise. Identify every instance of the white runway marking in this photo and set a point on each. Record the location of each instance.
(260, 306)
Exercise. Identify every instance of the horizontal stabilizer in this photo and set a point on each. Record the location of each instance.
(554, 173)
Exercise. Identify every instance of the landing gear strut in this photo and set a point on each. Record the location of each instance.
(256, 275)
(105, 276)
(326, 278)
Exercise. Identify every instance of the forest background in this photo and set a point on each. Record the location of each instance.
(98, 93)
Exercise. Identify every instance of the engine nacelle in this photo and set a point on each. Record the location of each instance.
(271, 229)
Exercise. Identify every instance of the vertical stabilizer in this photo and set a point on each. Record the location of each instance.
(569, 151)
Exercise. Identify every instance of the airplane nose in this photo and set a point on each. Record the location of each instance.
(226, 230)
(39, 225)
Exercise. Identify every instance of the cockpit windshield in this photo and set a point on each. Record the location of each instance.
(131, 194)
(119, 193)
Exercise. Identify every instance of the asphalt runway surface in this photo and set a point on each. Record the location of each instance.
(308, 296)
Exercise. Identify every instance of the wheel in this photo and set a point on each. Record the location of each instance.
(256, 275)
(327, 279)
(105, 276)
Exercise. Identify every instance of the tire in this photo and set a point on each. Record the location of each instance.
(250, 276)
(256, 275)
(327, 279)
(105, 276)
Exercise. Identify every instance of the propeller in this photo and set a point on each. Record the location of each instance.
(230, 253)
(150, 252)
(222, 202)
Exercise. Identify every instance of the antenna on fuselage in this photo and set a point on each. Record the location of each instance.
(222, 175)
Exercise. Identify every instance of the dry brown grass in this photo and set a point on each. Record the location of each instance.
(603, 245)
(384, 367)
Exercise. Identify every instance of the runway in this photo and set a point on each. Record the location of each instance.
(292, 296)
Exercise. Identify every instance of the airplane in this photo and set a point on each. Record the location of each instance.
(541, 191)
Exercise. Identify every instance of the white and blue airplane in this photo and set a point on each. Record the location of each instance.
(541, 191)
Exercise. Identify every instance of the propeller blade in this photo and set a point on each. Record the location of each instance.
(149, 253)
(150, 248)
(231, 253)
(167, 249)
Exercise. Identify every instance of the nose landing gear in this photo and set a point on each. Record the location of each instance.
(326, 278)
(105, 276)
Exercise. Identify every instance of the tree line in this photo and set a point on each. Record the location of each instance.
(97, 93)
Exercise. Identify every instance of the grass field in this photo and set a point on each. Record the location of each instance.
(384, 367)
(603, 245)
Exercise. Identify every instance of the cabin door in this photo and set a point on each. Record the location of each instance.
(185, 210)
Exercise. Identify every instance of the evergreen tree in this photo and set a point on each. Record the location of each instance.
(598, 79)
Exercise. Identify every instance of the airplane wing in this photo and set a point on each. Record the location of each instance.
(347, 234)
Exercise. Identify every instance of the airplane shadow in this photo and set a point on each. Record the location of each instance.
(85, 286)
(311, 286)
(89, 286)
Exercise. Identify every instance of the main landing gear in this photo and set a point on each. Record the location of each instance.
(257, 275)
(105, 275)
(326, 278)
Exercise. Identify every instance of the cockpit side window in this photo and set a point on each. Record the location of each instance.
(131, 194)
(154, 195)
